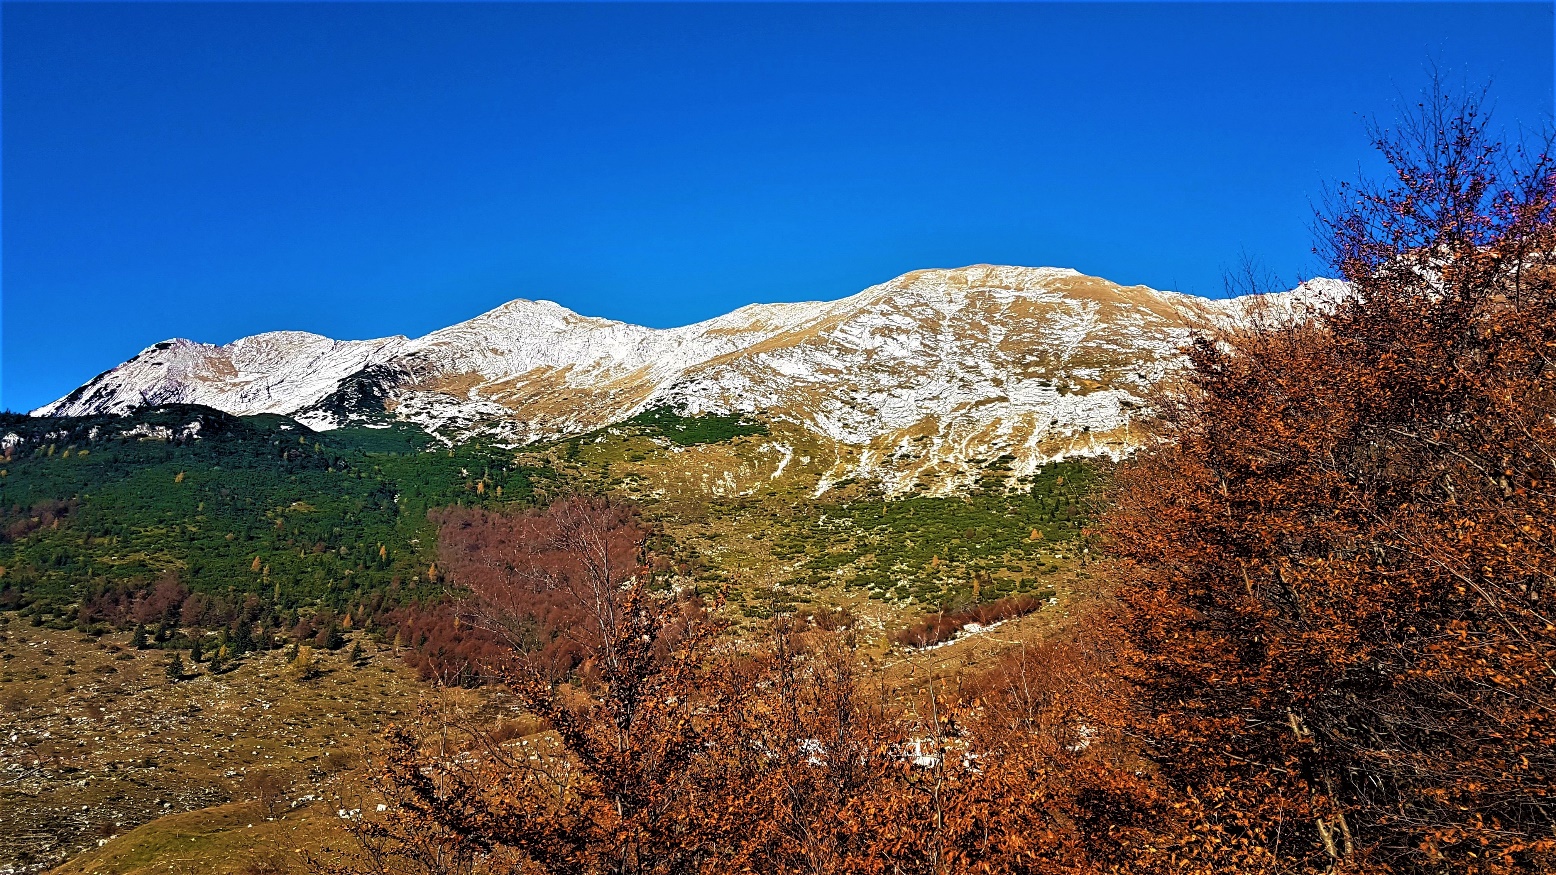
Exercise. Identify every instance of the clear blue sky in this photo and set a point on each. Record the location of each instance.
(358, 170)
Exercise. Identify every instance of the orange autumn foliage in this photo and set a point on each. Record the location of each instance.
(1342, 561)
(669, 750)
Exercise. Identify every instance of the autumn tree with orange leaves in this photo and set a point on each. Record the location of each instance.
(668, 749)
(1341, 562)
(607, 664)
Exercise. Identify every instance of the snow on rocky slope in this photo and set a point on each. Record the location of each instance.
(275, 372)
(925, 377)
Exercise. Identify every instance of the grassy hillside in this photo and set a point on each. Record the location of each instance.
(943, 551)
(745, 511)
(208, 774)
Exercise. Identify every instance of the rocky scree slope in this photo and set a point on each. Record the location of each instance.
(920, 380)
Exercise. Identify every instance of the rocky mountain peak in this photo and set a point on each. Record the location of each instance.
(921, 375)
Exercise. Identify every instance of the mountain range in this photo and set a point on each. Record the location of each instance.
(918, 380)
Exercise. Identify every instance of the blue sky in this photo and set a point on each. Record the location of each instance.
(359, 170)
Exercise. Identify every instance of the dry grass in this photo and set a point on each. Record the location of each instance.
(98, 748)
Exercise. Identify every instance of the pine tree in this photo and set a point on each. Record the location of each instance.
(175, 669)
(242, 638)
(195, 651)
(138, 641)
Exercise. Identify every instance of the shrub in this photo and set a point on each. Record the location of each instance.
(943, 626)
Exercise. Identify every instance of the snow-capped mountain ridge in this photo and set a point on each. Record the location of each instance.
(928, 371)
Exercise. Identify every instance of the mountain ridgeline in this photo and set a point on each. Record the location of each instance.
(911, 384)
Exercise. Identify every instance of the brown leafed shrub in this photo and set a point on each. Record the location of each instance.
(442, 646)
(267, 789)
(941, 627)
(19, 522)
(537, 577)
